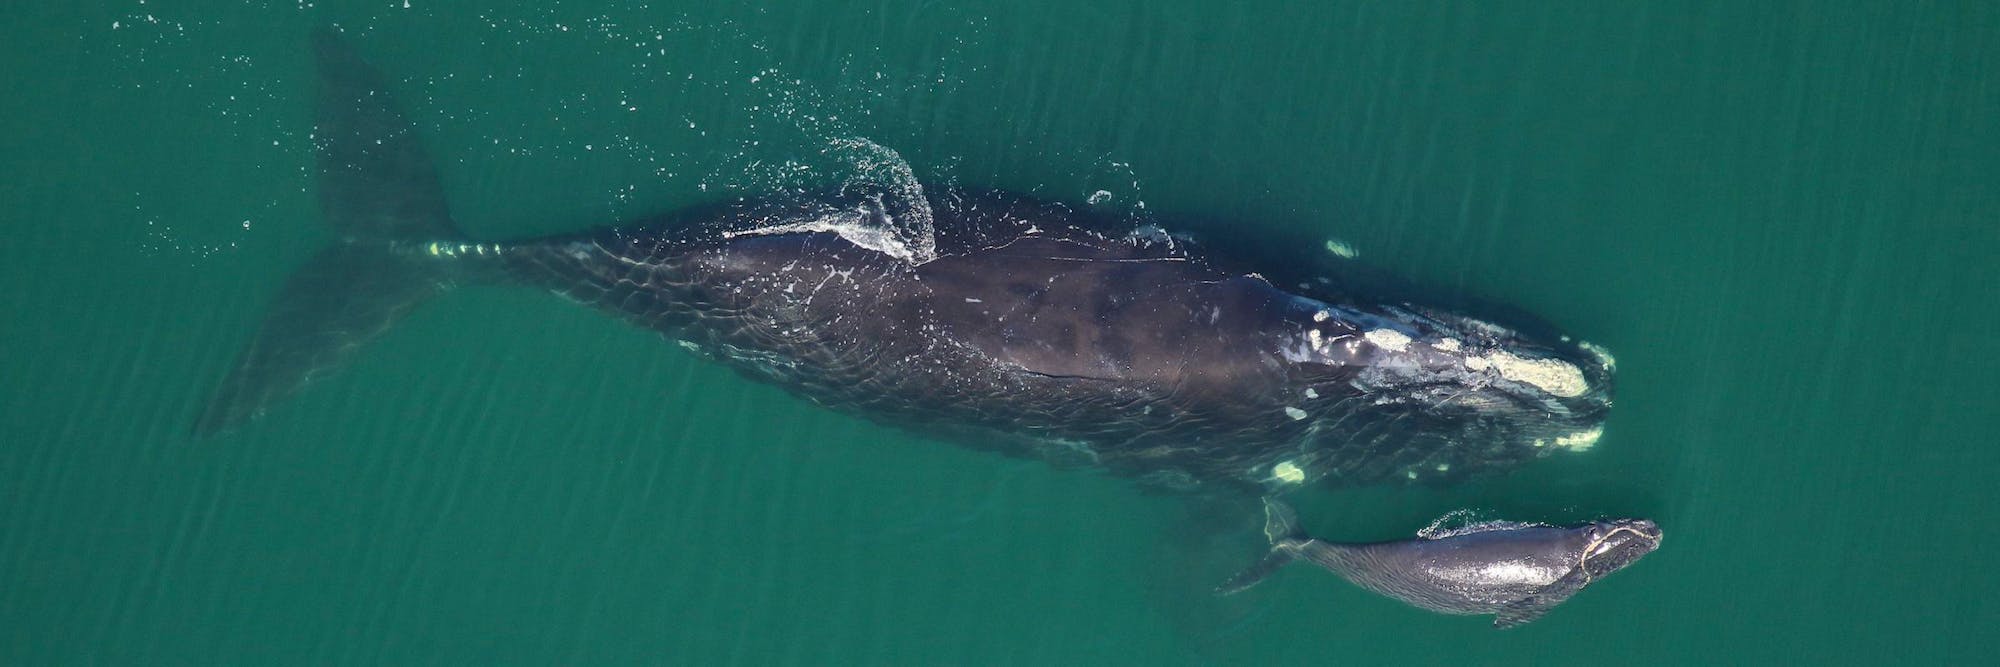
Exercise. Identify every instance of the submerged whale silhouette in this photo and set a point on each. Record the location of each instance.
(1023, 325)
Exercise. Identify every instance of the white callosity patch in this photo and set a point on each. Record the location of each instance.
(1554, 376)
(1340, 249)
(1603, 355)
(1447, 345)
(1580, 440)
(1487, 328)
(1388, 339)
(1295, 413)
(1288, 472)
(1313, 346)
(1551, 375)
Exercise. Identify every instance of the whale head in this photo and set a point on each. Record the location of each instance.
(1611, 545)
(1547, 394)
(1472, 393)
(1594, 550)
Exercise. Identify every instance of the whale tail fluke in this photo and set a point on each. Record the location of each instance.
(380, 195)
(1281, 527)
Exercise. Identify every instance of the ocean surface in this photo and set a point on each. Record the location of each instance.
(1783, 219)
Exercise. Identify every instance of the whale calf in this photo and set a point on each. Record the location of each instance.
(1008, 323)
(1515, 571)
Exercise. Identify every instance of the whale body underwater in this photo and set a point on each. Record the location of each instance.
(1015, 324)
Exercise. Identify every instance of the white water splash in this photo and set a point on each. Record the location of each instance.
(906, 213)
(860, 227)
(1450, 521)
(1466, 522)
(895, 218)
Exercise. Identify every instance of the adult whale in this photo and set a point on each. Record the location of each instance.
(1015, 324)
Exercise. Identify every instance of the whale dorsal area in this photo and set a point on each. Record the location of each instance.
(1100, 309)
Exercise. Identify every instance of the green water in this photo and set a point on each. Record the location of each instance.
(1783, 220)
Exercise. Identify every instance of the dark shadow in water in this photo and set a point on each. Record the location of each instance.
(1206, 539)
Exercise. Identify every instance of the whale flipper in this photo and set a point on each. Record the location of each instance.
(1281, 522)
(1277, 559)
(377, 186)
(1519, 613)
(1281, 528)
(1532, 607)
